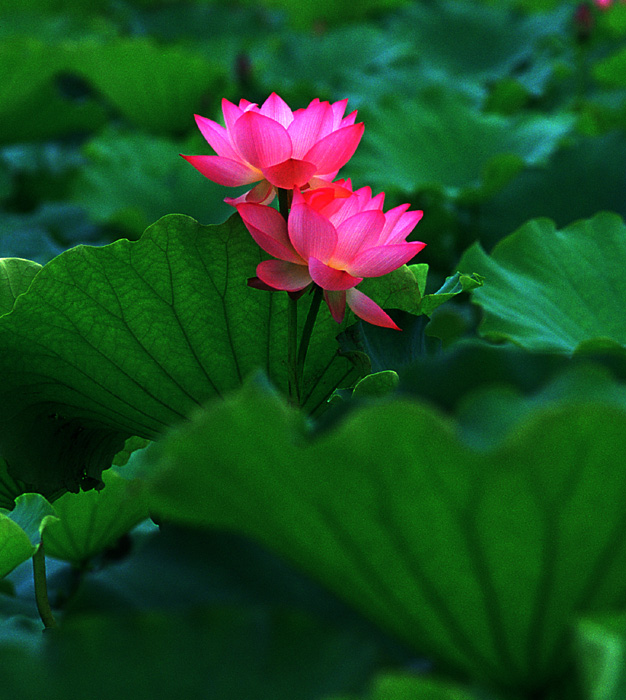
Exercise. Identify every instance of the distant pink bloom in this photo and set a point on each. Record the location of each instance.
(334, 237)
(604, 4)
(276, 147)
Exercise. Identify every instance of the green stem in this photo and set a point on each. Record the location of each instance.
(41, 588)
(292, 351)
(306, 332)
(283, 203)
(292, 321)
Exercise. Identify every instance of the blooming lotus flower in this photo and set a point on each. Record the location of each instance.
(276, 147)
(334, 238)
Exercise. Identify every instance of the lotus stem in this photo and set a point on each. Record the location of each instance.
(41, 588)
(307, 331)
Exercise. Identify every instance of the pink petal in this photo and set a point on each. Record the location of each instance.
(298, 197)
(330, 278)
(217, 137)
(261, 140)
(307, 125)
(283, 275)
(277, 109)
(231, 113)
(256, 283)
(269, 230)
(369, 310)
(224, 171)
(339, 109)
(290, 173)
(336, 304)
(327, 177)
(350, 119)
(380, 260)
(311, 233)
(263, 193)
(377, 202)
(391, 219)
(342, 209)
(363, 196)
(353, 234)
(334, 150)
(406, 223)
(318, 199)
(342, 188)
(245, 105)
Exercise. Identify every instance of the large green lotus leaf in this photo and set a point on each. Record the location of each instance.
(26, 236)
(130, 447)
(303, 16)
(52, 448)
(336, 62)
(472, 364)
(93, 520)
(478, 558)
(134, 179)
(446, 36)
(582, 178)
(402, 290)
(21, 529)
(601, 650)
(15, 277)
(26, 65)
(129, 338)
(46, 114)
(399, 686)
(219, 653)
(47, 231)
(612, 70)
(439, 140)
(385, 348)
(10, 488)
(155, 87)
(551, 290)
(405, 289)
(31, 106)
(453, 285)
(49, 6)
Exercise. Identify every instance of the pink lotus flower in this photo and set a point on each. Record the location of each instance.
(334, 237)
(276, 147)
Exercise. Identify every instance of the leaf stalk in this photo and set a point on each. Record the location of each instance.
(41, 588)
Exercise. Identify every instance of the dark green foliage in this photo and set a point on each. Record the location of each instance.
(443, 518)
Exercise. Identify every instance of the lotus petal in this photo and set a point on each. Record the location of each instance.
(280, 274)
(261, 140)
(269, 230)
(225, 171)
(368, 310)
(380, 260)
(330, 278)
